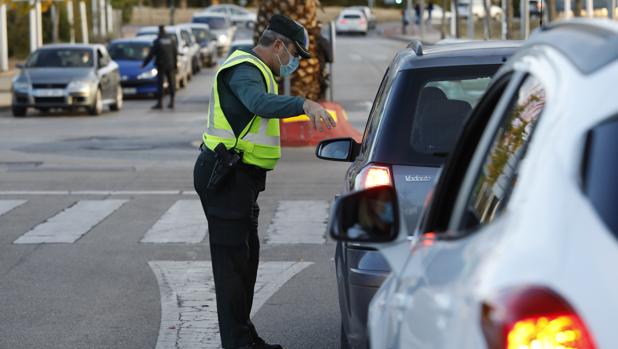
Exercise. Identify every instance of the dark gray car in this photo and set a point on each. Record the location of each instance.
(68, 77)
(421, 105)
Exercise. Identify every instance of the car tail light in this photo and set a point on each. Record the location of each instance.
(361, 21)
(373, 176)
(531, 318)
(343, 21)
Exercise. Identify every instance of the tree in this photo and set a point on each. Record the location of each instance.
(306, 80)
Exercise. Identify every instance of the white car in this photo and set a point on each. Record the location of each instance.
(478, 10)
(518, 244)
(371, 17)
(352, 21)
(238, 14)
(221, 26)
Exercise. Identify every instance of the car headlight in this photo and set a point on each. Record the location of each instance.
(222, 38)
(21, 86)
(79, 85)
(148, 74)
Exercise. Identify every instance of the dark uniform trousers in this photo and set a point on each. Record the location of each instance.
(232, 214)
(170, 76)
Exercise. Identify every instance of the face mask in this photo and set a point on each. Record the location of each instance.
(288, 69)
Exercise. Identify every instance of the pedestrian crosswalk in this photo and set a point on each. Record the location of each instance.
(183, 221)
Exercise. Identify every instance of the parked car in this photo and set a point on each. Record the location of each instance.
(221, 26)
(129, 54)
(184, 69)
(369, 15)
(352, 21)
(67, 76)
(421, 105)
(517, 243)
(193, 48)
(478, 10)
(207, 41)
(244, 44)
(239, 15)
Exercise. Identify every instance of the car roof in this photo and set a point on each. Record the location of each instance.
(352, 10)
(209, 14)
(588, 44)
(141, 38)
(82, 46)
(194, 25)
(464, 53)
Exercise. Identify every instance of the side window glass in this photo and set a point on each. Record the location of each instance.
(498, 176)
(376, 112)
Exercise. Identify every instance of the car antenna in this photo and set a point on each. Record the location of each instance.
(417, 46)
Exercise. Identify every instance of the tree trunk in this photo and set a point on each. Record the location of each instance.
(509, 19)
(578, 8)
(486, 23)
(552, 10)
(306, 81)
(455, 12)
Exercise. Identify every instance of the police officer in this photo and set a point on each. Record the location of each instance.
(244, 115)
(165, 53)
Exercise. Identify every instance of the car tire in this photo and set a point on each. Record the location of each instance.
(343, 339)
(117, 105)
(19, 112)
(97, 105)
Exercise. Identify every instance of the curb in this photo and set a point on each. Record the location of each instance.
(299, 132)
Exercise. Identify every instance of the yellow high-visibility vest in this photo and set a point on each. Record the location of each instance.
(259, 141)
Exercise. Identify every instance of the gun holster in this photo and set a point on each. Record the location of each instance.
(227, 160)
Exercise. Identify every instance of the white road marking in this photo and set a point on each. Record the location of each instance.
(299, 222)
(184, 222)
(8, 205)
(98, 192)
(72, 223)
(188, 303)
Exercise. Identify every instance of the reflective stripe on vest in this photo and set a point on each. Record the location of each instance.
(259, 140)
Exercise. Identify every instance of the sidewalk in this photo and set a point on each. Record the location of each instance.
(392, 30)
(5, 89)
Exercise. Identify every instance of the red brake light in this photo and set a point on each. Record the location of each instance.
(533, 317)
(361, 21)
(343, 21)
(373, 176)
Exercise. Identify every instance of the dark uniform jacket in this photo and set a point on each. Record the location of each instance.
(165, 53)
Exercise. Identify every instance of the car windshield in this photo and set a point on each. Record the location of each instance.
(61, 58)
(201, 35)
(129, 51)
(427, 109)
(213, 22)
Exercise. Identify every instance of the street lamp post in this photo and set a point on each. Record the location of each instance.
(84, 21)
(4, 47)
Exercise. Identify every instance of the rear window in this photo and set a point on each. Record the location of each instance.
(426, 111)
(213, 22)
(352, 16)
(600, 170)
(201, 35)
(129, 51)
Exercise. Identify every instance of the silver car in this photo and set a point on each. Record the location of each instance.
(221, 26)
(67, 76)
(238, 14)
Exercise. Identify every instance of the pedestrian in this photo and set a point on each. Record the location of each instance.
(165, 53)
(405, 20)
(240, 144)
(324, 56)
(417, 13)
(429, 10)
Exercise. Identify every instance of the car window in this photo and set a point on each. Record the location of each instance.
(129, 51)
(441, 111)
(600, 170)
(213, 22)
(350, 16)
(425, 112)
(498, 175)
(201, 35)
(375, 113)
(103, 58)
(61, 58)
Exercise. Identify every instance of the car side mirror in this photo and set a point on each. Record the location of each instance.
(370, 215)
(338, 149)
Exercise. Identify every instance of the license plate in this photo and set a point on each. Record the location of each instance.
(129, 91)
(48, 93)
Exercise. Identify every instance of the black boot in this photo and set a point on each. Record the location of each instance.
(159, 105)
(171, 104)
(261, 344)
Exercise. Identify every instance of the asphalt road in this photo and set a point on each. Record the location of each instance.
(102, 244)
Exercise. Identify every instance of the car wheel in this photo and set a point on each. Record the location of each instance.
(344, 340)
(19, 112)
(117, 105)
(97, 104)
